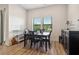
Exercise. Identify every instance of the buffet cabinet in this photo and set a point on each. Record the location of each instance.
(70, 42)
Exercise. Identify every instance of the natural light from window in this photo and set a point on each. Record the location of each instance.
(44, 23)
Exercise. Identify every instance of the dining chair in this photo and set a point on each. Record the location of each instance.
(46, 40)
(42, 30)
(26, 38)
(35, 39)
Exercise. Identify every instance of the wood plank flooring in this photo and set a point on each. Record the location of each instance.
(18, 49)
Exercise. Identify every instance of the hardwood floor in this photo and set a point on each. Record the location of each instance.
(18, 49)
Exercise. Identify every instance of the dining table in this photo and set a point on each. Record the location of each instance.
(39, 35)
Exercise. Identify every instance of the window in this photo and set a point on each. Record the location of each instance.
(16, 24)
(45, 23)
(36, 23)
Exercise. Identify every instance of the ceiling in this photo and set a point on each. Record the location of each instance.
(33, 6)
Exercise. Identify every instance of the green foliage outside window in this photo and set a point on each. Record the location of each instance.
(46, 23)
(36, 27)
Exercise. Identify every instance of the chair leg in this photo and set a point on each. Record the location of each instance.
(38, 45)
(41, 43)
(49, 44)
(25, 42)
(46, 46)
(34, 44)
(31, 45)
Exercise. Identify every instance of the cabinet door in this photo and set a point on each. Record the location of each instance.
(74, 43)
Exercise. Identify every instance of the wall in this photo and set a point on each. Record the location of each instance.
(15, 12)
(58, 13)
(73, 16)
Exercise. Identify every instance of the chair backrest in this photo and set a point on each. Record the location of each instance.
(31, 35)
(42, 30)
(31, 32)
(49, 34)
(25, 32)
(25, 35)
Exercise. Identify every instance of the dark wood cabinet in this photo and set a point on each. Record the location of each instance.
(70, 42)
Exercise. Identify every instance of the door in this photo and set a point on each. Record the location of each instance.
(1, 27)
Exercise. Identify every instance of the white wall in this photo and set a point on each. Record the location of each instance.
(15, 13)
(59, 14)
(73, 16)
